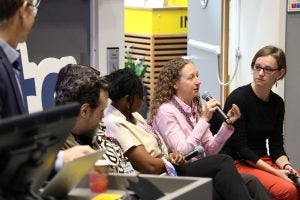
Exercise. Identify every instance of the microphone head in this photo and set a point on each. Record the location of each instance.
(199, 149)
(206, 96)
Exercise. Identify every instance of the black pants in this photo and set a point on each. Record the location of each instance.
(227, 182)
(256, 189)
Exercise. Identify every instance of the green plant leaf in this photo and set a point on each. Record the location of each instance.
(137, 66)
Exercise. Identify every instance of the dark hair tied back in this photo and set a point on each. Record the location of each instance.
(124, 82)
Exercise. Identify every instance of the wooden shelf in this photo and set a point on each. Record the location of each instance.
(156, 50)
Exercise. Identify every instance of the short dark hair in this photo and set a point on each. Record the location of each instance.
(8, 8)
(79, 83)
(276, 53)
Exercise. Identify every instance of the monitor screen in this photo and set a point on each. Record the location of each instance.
(28, 147)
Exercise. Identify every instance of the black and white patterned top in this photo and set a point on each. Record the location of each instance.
(113, 152)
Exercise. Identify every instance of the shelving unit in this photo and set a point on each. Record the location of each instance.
(156, 50)
(156, 35)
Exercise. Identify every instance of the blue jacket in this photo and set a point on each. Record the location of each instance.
(10, 96)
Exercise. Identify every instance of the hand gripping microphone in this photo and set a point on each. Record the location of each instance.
(206, 96)
(197, 151)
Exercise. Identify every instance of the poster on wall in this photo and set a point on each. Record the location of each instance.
(57, 38)
(293, 5)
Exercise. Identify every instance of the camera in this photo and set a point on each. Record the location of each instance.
(295, 179)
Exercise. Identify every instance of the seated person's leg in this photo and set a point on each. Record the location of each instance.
(277, 187)
(255, 188)
(226, 180)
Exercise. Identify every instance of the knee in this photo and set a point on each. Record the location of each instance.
(287, 192)
(226, 159)
(250, 179)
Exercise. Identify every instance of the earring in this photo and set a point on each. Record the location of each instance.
(276, 83)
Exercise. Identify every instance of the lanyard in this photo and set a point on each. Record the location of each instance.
(149, 129)
(114, 140)
(185, 114)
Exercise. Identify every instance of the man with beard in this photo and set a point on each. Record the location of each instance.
(82, 84)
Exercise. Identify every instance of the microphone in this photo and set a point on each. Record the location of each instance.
(295, 179)
(206, 96)
(197, 151)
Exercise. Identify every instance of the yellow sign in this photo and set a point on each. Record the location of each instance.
(107, 196)
(156, 20)
(177, 2)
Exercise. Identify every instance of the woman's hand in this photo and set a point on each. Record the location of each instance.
(176, 159)
(291, 170)
(209, 108)
(76, 152)
(283, 173)
(234, 113)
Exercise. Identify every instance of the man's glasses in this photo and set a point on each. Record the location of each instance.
(268, 71)
(35, 4)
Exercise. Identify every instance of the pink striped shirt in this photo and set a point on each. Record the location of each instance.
(179, 136)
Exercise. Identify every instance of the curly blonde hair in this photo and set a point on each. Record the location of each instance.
(164, 89)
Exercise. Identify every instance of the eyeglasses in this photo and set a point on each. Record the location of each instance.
(268, 71)
(35, 4)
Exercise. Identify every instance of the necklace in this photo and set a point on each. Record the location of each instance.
(185, 114)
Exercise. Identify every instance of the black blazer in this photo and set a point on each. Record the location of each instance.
(10, 97)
